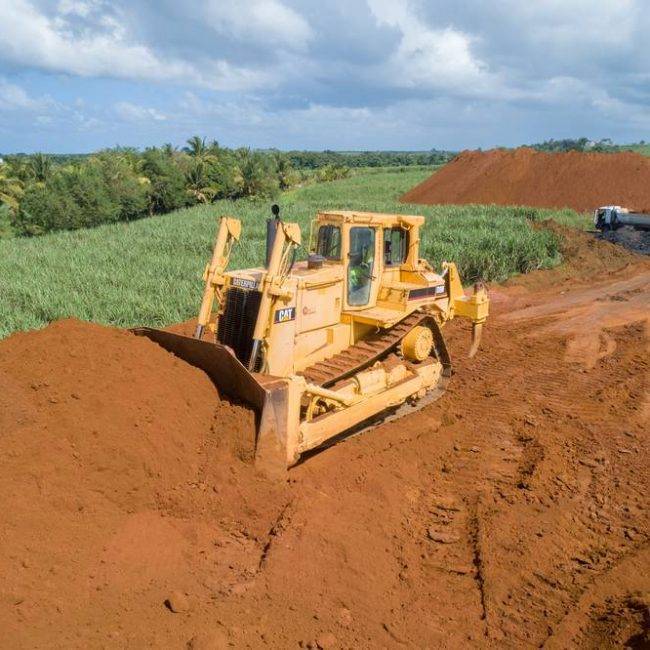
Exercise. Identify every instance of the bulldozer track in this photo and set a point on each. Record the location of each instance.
(360, 355)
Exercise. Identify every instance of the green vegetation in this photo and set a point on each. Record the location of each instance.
(584, 144)
(354, 159)
(148, 272)
(640, 147)
(43, 193)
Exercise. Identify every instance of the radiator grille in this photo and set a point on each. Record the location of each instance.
(237, 322)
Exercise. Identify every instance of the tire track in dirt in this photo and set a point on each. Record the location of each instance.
(620, 587)
(526, 610)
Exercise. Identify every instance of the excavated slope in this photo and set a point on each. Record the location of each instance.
(122, 477)
(581, 181)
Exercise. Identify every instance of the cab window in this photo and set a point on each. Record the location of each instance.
(361, 265)
(328, 243)
(395, 246)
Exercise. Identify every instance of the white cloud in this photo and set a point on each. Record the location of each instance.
(31, 38)
(419, 124)
(434, 58)
(268, 21)
(81, 8)
(312, 120)
(619, 111)
(14, 97)
(135, 113)
(580, 23)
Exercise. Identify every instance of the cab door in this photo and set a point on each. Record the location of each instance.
(363, 267)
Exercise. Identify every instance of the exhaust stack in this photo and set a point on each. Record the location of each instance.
(271, 232)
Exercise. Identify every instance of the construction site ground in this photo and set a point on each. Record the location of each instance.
(512, 512)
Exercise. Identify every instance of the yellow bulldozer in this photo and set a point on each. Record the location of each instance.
(334, 343)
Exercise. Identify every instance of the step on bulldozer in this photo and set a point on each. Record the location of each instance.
(332, 344)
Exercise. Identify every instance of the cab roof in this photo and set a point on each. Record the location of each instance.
(371, 218)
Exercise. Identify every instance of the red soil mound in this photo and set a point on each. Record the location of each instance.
(84, 403)
(107, 445)
(581, 181)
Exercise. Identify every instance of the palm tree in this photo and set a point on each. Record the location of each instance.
(11, 189)
(40, 167)
(252, 175)
(196, 147)
(284, 170)
(19, 168)
(198, 183)
(169, 149)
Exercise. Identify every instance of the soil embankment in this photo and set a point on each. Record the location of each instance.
(124, 479)
(581, 181)
(510, 513)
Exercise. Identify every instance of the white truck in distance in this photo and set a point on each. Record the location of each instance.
(611, 217)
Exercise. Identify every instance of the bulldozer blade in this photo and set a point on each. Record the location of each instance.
(477, 333)
(269, 401)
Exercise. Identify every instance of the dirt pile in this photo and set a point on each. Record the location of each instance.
(117, 461)
(83, 403)
(634, 240)
(581, 181)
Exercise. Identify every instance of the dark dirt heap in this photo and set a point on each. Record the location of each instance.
(581, 181)
(584, 258)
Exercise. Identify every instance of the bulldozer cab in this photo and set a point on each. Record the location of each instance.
(374, 249)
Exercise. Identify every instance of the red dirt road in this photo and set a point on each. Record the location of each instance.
(510, 513)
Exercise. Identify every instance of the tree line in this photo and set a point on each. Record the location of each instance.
(41, 193)
(318, 159)
(582, 144)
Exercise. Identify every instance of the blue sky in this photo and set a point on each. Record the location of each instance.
(79, 75)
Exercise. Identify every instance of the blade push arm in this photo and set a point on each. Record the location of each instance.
(286, 240)
(228, 233)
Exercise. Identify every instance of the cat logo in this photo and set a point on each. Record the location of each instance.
(285, 315)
